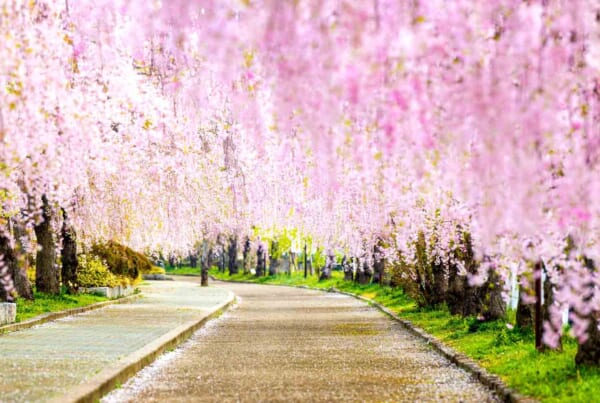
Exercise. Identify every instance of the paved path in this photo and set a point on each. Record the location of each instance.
(43, 362)
(287, 344)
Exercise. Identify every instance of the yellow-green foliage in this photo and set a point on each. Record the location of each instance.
(31, 274)
(157, 270)
(122, 260)
(93, 272)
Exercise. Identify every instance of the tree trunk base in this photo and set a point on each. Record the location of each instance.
(588, 353)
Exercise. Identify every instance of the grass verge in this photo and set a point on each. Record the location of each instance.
(508, 353)
(183, 271)
(45, 303)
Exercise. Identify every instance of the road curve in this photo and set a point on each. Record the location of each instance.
(290, 344)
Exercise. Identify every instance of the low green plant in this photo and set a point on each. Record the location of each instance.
(93, 272)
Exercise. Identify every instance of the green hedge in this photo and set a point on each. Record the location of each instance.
(122, 260)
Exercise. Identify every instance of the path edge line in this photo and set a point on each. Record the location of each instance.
(492, 382)
(52, 316)
(106, 380)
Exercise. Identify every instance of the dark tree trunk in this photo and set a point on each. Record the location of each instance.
(233, 269)
(430, 275)
(363, 272)
(273, 261)
(172, 261)
(538, 315)
(7, 262)
(378, 264)
(455, 296)
(15, 263)
(439, 286)
(260, 260)
(273, 267)
(326, 272)
(47, 275)
(205, 263)
(347, 267)
(305, 262)
(524, 314)
(588, 353)
(246, 254)
(494, 305)
(293, 263)
(69, 256)
(193, 260)
(398, 271)
(367, 271)
(548, 301)
(464, 299)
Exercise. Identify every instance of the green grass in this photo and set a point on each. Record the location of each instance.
(183, 271)
(44, 303)
(508, 353)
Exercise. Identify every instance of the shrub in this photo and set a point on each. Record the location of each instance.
(122, 260)
(157, 270)
(93, 272)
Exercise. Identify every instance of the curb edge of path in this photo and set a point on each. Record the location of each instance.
(52, 316)
(492, 382)
(106, 380)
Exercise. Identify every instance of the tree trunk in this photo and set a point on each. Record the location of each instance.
(69, 256)
(7, 261)
(588, 353)
(439, 286)
(471, 299)
(193, 260)
(548, 301)
(455, 296)
(14, 274)
(47, 275)
(363, 272)
(538, 315)
(232, 252)
(260, 260)
(494, 305)
(347, 267)
(273, 261)
(222, 259)
(326, 272)
(378, 264)
(293, 263)
(524, 314)
(205, 263)
(305, 262)
(246, 254)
